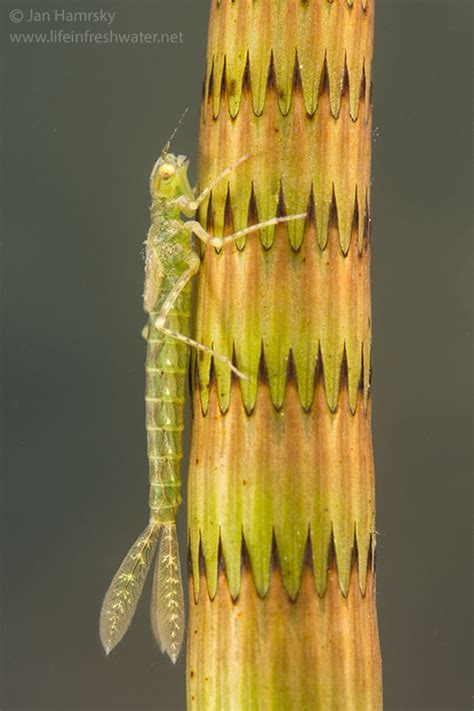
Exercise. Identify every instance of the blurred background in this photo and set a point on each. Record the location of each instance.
(81, 126)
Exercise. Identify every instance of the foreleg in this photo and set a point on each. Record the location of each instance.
(189, 207)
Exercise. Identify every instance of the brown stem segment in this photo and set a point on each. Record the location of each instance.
(271, 653)
(281, 485)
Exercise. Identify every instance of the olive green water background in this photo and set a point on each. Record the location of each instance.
(81, 126)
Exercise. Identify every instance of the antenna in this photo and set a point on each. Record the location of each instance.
(167, 145)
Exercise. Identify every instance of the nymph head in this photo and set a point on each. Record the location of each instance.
(169, 177)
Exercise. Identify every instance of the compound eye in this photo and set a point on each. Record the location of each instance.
(166, 170)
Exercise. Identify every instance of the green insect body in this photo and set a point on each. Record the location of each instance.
(170, 266)
(168, 254)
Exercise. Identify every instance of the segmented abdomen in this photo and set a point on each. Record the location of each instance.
(166, 365)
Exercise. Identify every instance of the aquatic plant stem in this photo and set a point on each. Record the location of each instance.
(281, 483)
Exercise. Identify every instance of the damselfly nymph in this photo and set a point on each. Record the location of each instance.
(171, 263)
